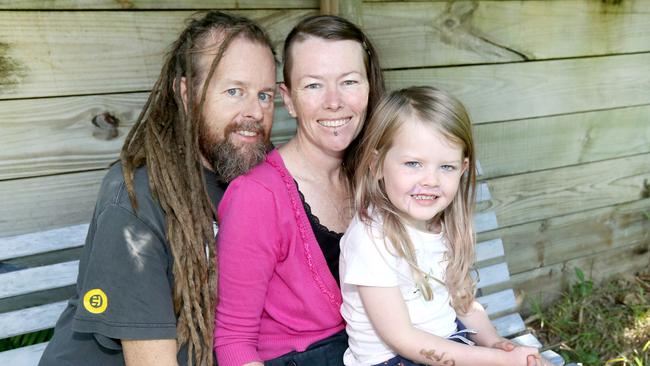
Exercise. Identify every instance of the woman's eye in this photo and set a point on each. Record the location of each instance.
(234, 92)
(350, 82)
(413, 164)
(312, 86)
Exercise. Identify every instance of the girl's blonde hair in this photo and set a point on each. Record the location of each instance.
(446, 115)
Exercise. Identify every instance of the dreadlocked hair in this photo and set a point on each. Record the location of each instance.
(445, 114)
(165, 138)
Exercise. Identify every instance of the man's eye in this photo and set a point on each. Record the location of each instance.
(234, 92)
(265, 97)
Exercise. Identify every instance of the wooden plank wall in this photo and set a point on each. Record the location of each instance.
(64, 62)
(559, 92)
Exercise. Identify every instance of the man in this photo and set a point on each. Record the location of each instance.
(146, 287)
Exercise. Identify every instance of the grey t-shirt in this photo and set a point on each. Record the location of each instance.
(124, 287)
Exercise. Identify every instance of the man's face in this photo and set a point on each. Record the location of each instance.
(237, 114)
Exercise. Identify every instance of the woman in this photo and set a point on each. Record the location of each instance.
(280, 224)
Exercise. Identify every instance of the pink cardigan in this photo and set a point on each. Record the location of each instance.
(276, 293)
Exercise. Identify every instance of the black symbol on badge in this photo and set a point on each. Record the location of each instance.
(96, 301)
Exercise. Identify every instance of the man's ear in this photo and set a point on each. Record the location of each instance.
(286, 98)
(183, 91)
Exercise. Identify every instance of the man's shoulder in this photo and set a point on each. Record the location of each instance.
(113, 190)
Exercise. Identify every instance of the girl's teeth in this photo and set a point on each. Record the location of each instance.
(423, 197)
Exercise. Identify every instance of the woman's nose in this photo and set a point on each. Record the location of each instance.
(333, 100)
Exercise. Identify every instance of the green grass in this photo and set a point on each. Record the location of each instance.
(26, 339)
(599, 325)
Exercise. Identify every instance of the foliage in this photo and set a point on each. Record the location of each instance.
(26, 339)
(604, 325)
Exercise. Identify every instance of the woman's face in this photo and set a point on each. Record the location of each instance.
(329, 92)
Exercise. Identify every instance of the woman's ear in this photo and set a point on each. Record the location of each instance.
(286, 98)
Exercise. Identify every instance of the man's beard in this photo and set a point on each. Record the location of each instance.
(229, 160)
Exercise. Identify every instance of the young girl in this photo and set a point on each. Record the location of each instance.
(406, 257)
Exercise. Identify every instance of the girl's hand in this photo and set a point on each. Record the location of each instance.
(505, 345)
(520, 355)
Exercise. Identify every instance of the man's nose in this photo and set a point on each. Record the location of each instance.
(253, 108)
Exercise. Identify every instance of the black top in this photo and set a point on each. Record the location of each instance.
(328, 240)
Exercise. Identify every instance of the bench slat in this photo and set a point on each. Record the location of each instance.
(482, 192)
(24, 356)
(41, 278)
(30, 319)
(492, 275)
(42, 242)
(530, 340)
(509, 325)
(489, 249)
(485, 221)
(499, 302)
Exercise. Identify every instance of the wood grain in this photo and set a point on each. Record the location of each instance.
(555, 240)
(550, 142)
(547, 283)
(62, 53)
(535, 89)
(155, 4)
(541, 195)
(56, 135)
(35, 204)
(420, 34)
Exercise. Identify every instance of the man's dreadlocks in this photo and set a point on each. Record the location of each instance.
(166, 139)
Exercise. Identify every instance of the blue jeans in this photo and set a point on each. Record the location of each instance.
(327, 352)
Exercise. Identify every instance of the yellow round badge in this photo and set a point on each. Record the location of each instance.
(95, 301)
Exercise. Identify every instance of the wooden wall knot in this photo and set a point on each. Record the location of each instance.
(645, 189)
(105, 126)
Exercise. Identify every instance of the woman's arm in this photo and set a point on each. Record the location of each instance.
(247, 248)
(389, 316)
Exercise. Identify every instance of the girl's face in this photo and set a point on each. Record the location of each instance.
(421, 172)
(329, 92)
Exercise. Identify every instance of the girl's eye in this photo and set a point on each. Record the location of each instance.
(413, 164)
(234, 92)
(448, 168)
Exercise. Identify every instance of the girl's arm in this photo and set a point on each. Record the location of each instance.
(389, 316)
(477, 319)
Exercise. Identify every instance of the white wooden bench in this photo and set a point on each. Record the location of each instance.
(43, 272)
(495, 292)
(33, 295)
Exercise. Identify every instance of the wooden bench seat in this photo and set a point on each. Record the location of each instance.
(44, 264)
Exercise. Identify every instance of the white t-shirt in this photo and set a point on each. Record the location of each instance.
(365, 260)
